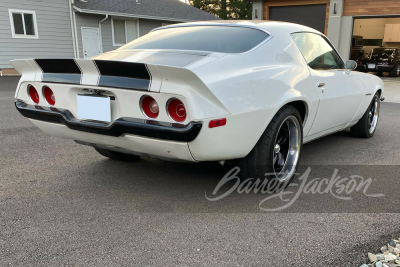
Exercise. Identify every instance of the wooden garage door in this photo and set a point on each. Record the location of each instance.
(309, 15)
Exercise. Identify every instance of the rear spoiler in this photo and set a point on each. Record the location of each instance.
(120, 74)
(106, 73)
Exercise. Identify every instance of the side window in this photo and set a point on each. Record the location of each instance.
(318, 53)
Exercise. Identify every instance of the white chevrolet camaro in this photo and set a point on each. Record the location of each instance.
(207, 91)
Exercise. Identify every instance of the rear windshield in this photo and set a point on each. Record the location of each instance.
(224, 39)
(382, 51)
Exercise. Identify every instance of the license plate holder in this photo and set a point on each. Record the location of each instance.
(371, 66)
(94, 107)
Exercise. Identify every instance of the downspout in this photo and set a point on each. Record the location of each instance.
(75, 33)
(72, 27)
(101, 33)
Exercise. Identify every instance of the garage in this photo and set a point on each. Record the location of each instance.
(373, 23)
(313, 16)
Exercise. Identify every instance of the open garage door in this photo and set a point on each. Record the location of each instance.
(313, 16)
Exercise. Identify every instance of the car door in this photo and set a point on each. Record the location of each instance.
(340, 95)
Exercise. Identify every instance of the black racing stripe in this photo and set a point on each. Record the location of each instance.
(60, 70)
(62, 78)
(123, 74)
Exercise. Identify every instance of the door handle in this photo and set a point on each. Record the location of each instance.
(321, 84)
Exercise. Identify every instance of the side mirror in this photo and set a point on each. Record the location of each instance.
(350, 65)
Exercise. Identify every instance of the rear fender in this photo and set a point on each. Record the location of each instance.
(184, 82)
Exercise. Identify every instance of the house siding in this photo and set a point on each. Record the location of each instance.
(146, 25)
(54, 30)
(92, 20)
(106, 34)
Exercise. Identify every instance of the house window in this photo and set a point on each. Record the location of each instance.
(124, 31)
(23, 23)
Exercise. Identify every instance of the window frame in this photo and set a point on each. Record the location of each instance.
(22, 12)
(329, 43)
(126, 32)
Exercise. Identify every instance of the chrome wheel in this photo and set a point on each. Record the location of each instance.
(373, 115)
(287, 148)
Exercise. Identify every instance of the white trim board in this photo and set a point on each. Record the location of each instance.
(116, 14)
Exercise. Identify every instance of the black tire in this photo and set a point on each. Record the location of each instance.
(366, 127)
(116, 155)
(395, 71)
(380, 74)
(261, 159)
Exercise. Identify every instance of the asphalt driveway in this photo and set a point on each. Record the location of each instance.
(64, 204)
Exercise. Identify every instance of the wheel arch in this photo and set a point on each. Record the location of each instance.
(301, 107)
(300, 104)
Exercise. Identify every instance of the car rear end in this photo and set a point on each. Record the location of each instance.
(379, 60)
(147, 102)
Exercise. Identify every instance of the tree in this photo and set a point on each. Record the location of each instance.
(225, 9)
(240, 9)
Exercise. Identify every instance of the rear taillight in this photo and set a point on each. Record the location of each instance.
(176, 110)
(49, 95)
(149, 107)
(33, 93)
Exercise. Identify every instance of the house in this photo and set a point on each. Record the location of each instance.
(376, 21)
(82, 28)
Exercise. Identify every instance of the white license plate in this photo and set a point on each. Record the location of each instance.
(371, 66)
(93, 107)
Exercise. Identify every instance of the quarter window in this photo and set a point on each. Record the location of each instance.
(318, 53)
(23, 23)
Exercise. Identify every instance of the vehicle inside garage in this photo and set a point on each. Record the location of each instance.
(376, 45)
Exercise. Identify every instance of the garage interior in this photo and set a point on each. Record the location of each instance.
(369, 33)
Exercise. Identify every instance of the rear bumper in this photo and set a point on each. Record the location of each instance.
(131, 144)
(364, 67)
(384, 68)
(121, 126)
(232, 141)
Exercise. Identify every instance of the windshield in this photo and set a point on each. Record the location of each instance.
(382, 51)
(224, 39)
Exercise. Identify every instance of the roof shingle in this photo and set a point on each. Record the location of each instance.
(169, 9)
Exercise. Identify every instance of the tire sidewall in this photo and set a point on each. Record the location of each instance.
(375, 98)
(394, 73)
(287, 113)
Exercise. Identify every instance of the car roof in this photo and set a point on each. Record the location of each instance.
(275, 28)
